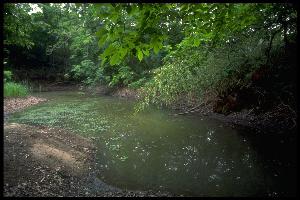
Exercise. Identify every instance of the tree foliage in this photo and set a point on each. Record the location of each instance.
(17, 25)
(229, 57)
(139, 28)
(171, 51)
(63, 36)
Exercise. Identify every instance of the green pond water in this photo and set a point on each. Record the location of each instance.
(153, 150)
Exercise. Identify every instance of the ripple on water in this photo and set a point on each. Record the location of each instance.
(185, 155)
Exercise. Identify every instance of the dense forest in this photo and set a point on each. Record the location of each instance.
(171, 52)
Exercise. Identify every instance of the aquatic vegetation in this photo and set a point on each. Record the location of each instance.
(152, 149)
(71, 116)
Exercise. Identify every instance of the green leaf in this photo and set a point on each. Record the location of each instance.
(156, 48)
(102, 41)
(146, 52)
(115, 59)
(123, 52)
(196, 42)
(140, 54)
(109, 50)
(103, 60)
(101, 32)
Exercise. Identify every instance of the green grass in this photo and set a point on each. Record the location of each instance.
(12, 89)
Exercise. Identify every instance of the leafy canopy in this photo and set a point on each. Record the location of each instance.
(137, 29)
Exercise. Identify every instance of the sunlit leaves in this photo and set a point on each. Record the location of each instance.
(135, 22)
(17, 25)
(196, 42)
(124, 76)
(139, 54)
(145, 24)
(146, 52)
(114, 59)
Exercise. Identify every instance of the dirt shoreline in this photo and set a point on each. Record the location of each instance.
(45, 161)
(28, 173)
(280, 119)
(12, 105)
(277, 121)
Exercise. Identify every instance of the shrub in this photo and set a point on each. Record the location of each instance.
(87, 72)
(124, 76)
(191, 72)
(137, 84)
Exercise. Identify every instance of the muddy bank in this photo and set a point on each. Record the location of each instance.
(52, 147)
(46, 161)
(125, 93)
(276, 120)
(53, 86)
(280, 119)
(12, 105)
(122, 92)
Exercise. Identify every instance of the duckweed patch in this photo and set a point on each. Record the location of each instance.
(152, 150)
(71, 116)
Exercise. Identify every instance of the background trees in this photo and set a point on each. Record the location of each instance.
(172, 52)
(56, 42)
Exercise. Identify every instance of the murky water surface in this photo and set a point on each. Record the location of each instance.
(153, 150)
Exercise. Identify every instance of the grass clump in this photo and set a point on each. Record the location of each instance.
(12, 89)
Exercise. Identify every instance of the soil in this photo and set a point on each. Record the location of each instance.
(279, 119)
(45, 161)
(125, 93)
(12, 105)
(53, 86)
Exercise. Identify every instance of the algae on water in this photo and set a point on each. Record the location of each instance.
(72, 116)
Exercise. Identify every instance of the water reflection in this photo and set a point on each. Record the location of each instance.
(153, 150)
(188, 160)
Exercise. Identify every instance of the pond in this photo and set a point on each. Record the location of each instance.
(155, 150)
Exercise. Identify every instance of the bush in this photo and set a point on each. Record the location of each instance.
(87, 72)
(137, 84)
(12, 89)
(124, 76)
(189, 73)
